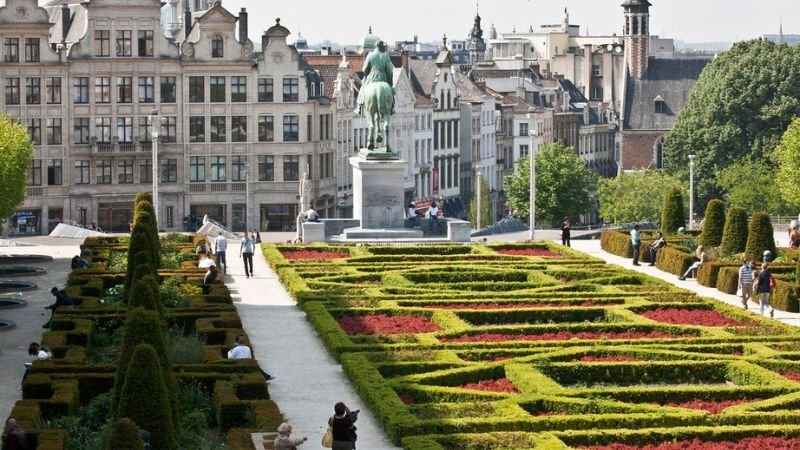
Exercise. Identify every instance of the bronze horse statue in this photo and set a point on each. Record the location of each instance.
(376, 99)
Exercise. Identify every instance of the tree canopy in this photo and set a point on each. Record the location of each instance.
(16, 151)
(788, 156)
(486, 205)
(740, 106)
(760, 192)
(564, 185)
(635, 197)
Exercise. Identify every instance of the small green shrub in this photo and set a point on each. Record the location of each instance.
(170, 293)
(125, 436)
(734, 236)
(185, 348)
(760, 237)
(714, 224)
(672, 216)
(143, 296)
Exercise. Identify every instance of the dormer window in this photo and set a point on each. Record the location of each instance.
(660, 105)
(217, 49)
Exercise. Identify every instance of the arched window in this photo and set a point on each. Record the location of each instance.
(449, 104)
(658, 153)
(441, 100)
(217, 47)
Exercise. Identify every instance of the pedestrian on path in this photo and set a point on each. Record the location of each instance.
(220, 247)
(343, 425)
(14, 437)
(241, 351)
(702, 259)
(246, 253)
(284, 440)
(746, 281)
(764, 287)
(566, 229)
(636, 241)
(656, 246)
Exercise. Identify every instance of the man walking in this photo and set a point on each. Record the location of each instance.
(746, 282)
(246, 253)
(220, 247)
(636, 241)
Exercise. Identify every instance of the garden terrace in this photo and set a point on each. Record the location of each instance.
(544, 348)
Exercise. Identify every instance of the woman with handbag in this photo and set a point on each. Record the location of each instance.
(342, 428)
(764, 287)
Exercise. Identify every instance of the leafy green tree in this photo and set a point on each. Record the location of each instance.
(788, 156)
(486, 206)
(734, 237)
(761, 237)
(672, 217)
(635, 197)
(714, 224)
(16, 151)
(740, 106)
(564, 185)
(760, 192)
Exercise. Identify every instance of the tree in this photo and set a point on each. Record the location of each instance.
(16, 151)
(635, 197)
(760, 238)
(788, 156)
(672, 217)
(740, 106)
(714, 224)
(564, 184)
(734, 237)
(760, 193)
(486, 206)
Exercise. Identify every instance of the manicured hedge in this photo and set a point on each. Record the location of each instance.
(734, 235)
(673, 217)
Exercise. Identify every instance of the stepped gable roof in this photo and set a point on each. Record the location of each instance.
(670, 79)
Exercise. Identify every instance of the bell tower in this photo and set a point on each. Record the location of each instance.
(637, 36)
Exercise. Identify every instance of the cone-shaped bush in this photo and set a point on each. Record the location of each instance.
(145, 215)
(144, 397)
(143, 295)
(125, 436)
(714, 224)
(140, 243)
(672, 215)
(143, 197)
(734, 237)
(760, 237)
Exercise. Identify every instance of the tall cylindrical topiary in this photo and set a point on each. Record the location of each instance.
(734, 237)
(672, 216)
(143, 295)
(144, 219)
(760, 237)
(125, 436)
(143, 197)
(144, 398)
(140, 251)
(714, 224)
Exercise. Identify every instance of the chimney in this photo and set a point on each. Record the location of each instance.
(264, 41)
(65, 22)
(187, 21)
(404, 61)
(243, 26)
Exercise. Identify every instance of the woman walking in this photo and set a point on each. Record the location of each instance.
(764, 287)
(343, 426)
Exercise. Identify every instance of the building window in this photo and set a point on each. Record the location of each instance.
(218, 169)
(31, 49)
(124, 90)
(11, 47)
(661, 107)
(53, 90)
(102, 129)
(124, 38)
(266, 168)
(103, 171)
(168, 90)
(169, 171)
(102, 43)
(291, 128)
(125, 129)
(523, 129)
(197, 169)
(54, 131)
(217, 47)
(55, 175)
(238, 89)
(291, 168)
(81, 175)
(102, 90)
(291, 90)
(33, 91)
(217, 85)
(239, 129)
(80, 90)
(218, 129)
(81, 130)
(196, 89)
(597, 71)
(265, 90)
(12, 91)
(197, 129)
(523, 151)
(145, 43)
(35, 130)
(146, 90)
(238, 168)
(266, 128)
(596, 94)
(35, 172)
(146, 171)
(125, 171)
(169, 129)
(144, 130)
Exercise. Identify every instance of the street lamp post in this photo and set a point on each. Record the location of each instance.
(691, 191)
(246, 197)
(533, 195)
(478, 168)
(154, 130)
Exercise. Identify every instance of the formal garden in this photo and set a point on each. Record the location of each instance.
(145, 348)
(522, 346)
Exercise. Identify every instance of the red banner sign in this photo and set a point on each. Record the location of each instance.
(435, 180)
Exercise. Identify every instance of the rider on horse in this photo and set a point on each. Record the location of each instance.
(378, 68)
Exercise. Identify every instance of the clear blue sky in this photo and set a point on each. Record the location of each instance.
(346, 21)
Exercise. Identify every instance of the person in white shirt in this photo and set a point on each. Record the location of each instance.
(412, 215)
(434, 213)
(242, 351)
(37, 353)
(220, 247)
(246, 253)
(312, 215)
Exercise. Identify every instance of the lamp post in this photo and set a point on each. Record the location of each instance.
(246, 197)
(533, 192)
(478, 169)
(154, 130)
(691, 191)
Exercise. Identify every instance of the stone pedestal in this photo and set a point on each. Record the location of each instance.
(378, 200)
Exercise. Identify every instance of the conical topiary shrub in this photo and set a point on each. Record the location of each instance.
(143, 295)
(144, 215)
(734, 236)
(145, 400)
(125, 436)
(760, 237)
(672, 216)
(714, 224)
(143, 197)
(140, 243)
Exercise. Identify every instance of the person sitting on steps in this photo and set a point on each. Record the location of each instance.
(241, 351)
(703, 258)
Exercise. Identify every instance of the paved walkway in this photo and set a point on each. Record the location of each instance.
(309, 381)
(593, 248)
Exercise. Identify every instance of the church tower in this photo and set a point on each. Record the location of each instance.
(637, 36)
(476, 45)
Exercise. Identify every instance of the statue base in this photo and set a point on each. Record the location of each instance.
(378, 196)
(378, 155)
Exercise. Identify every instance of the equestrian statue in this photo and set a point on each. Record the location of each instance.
(376, 99)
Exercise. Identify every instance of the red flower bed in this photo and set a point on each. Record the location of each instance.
(794, 376)
(502, 385)
(483, 306)
(590, 359)
(706, 318)
(561, 336)
(385, 324)
(529, 252)
(712, 407)
(407, 399)
(312, 255)
(756, 443)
